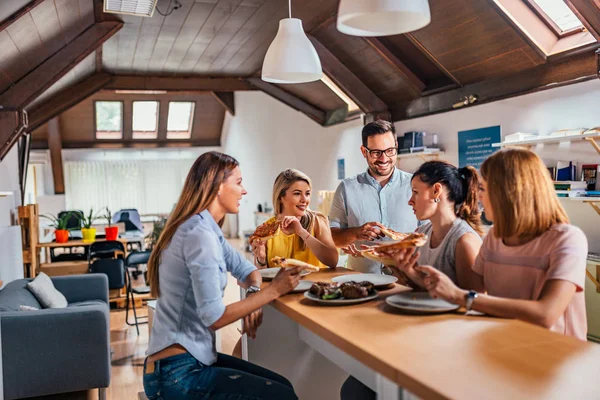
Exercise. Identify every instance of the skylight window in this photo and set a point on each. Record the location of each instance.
(558, 16)
(145, 119)
(180, 120)
(109, 119)
(352, 106)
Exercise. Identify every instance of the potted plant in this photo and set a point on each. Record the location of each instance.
(157, 228)
(88, 233)
(60, 226)
(111, 232)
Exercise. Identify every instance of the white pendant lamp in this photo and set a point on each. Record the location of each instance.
(382, 17)
(291, 57)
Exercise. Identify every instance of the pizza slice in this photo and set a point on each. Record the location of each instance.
(410, 240)
(265, 231)
(392, 234)
(293, 263)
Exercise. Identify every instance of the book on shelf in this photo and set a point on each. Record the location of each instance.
(570, 185)
(565, 171)
(593, 256)
(589, 174)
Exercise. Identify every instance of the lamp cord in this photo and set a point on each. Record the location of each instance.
(176, 6)
(290, 8)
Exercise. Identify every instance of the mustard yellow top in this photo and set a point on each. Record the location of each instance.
(290, 246)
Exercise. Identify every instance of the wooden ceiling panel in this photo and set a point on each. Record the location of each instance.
(375, 72)
(74, 17)
(316, 93)
(46, 20)
(12, 64)
(25, 36)
(127, 39)
(8, 8)
(465, 33)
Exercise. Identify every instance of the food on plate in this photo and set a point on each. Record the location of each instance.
(392, 234)
(292, 263)
(347, 290)
(265, 231)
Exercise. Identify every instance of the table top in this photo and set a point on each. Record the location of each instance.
(452, 356)
(75, 243)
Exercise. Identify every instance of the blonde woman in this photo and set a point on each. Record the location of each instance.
(532, 263)
(188, 273)
(304, 234)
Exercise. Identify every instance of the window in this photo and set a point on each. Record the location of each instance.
(557, 16)
(180, 121)
(145, 119)
(109, 119)
(352, 106)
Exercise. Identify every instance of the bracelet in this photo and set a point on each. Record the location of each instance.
(307, 236)
(261, 264)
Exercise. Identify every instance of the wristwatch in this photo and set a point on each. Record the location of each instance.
(252, 289)
(469, 299)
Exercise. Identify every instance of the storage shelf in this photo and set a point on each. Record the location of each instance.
(545, 139)
(5, 194)
(584, 199)
(421, 154)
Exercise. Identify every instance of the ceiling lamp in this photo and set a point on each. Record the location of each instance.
(142, 8)
(382, 17)
(291, 57)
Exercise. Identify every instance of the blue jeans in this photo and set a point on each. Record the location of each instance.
(183, 377)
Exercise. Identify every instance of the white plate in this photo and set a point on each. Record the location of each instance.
(341, 301)
(302, 286)
(269, 273)
(420, 303)
(378, 280)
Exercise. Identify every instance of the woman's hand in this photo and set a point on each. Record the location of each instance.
(440, 286)
(259, 249)
(252, 322)
(291, 225)
(405, 259)
(285, 280)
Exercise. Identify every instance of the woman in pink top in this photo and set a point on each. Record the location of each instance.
(532, 263)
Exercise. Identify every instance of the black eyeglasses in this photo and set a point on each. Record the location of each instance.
(391, 152)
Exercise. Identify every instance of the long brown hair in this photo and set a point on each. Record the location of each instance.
(281, 185)
(201, 187)
(522, 195)
(462, 184)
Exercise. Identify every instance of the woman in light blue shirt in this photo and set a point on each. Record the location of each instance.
(188, 274)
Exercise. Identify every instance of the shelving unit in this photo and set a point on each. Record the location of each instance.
(423, 155)
(6, 194)
(589, 137)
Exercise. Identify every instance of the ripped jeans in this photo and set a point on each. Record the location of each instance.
(184, 377)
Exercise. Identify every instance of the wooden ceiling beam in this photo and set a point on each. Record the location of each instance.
(55, 146)
(296, 103)
(13, 124)
(431, 57)
(360, 93)
(588, 12)
(122, 144)
(546, 76)
(411, 79)
(226, 99)
(178, 83)
(46, 74)
(66, 99)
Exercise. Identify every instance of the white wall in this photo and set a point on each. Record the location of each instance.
(266, 137)
(9, 182)
(574, 106)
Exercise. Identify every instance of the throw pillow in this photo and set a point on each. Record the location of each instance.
(27, 308)
(43, 289)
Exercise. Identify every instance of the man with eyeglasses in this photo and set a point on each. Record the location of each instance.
(378, 197)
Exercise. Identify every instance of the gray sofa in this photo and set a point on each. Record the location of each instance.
(54, 351)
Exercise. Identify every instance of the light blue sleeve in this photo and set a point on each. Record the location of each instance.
(203, 256)
(239, 267)
(338, 216)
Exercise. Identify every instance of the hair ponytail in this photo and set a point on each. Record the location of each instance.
(462, 185)
(469, 208)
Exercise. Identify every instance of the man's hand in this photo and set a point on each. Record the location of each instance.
(369, 231)
(252, 322)
(352, 250)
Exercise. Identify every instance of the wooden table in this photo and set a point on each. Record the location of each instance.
(445, 356)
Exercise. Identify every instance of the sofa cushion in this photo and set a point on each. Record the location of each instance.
(87, 303)
(44, 290)
(15, 294)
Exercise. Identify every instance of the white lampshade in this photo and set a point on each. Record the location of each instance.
(291, 57)
(382, 17)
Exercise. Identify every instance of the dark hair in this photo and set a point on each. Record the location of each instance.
(462, 185)
(376, 128)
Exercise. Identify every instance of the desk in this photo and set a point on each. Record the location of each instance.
(445, 356)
